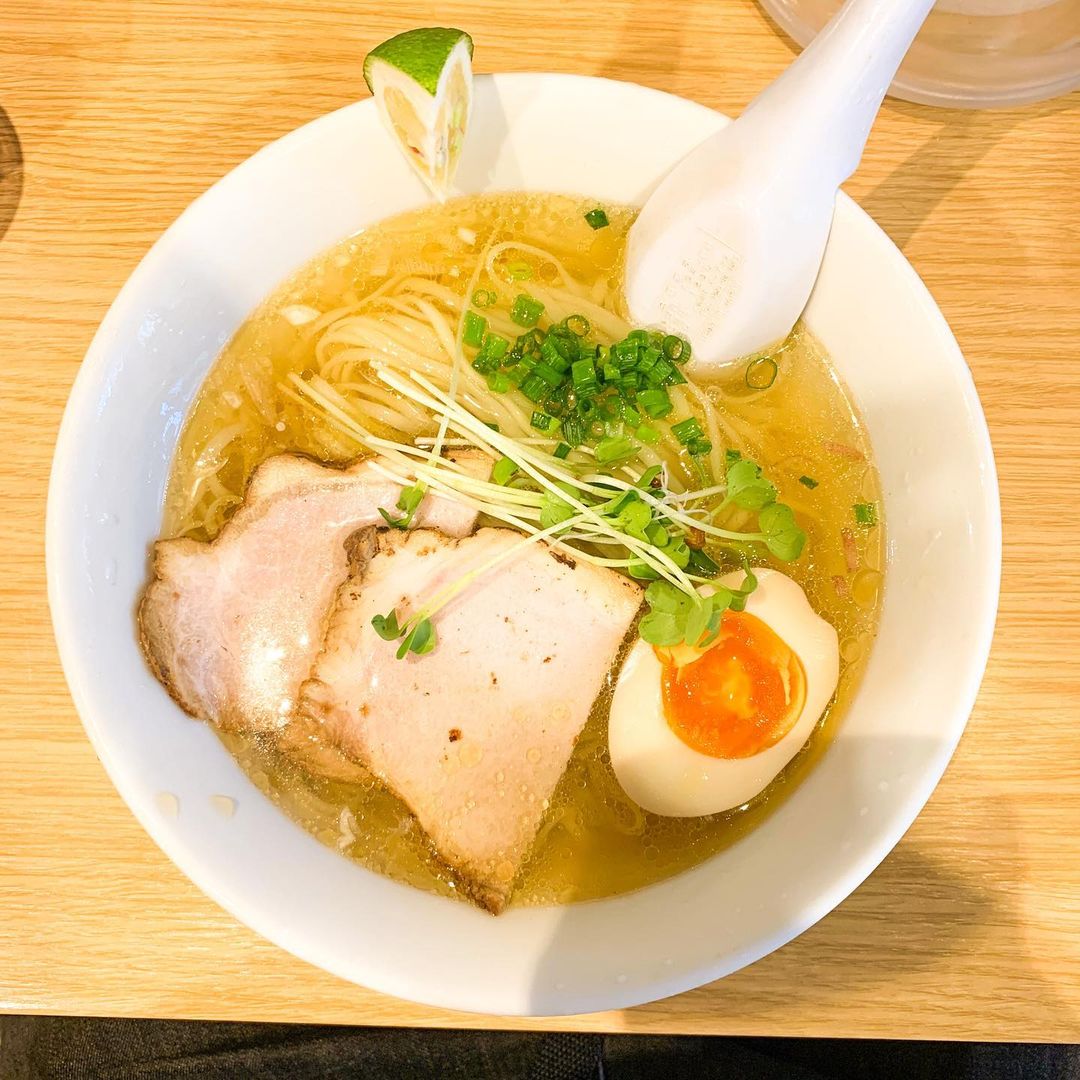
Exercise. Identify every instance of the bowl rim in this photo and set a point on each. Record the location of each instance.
(79, 675)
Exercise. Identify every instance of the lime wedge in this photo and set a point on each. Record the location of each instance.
(422, 83)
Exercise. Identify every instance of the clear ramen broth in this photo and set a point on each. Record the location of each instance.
(594, 841)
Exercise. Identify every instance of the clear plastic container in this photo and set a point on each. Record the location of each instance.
(971, 54)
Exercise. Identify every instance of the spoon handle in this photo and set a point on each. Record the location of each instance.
(828, 98)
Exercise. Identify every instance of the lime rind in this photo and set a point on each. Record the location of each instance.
(420, 54)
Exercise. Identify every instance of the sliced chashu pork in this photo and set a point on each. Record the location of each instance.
(475, 735)
(231, 627)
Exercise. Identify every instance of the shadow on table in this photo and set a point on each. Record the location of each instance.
(642, 40)
(11, 172)
(960, 139)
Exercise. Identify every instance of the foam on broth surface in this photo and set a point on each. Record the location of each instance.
(594, 841)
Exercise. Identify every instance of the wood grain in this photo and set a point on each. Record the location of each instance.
(122, 111)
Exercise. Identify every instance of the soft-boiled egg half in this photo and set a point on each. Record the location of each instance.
(694, 731)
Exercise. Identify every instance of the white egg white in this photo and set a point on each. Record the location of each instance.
(659, 771)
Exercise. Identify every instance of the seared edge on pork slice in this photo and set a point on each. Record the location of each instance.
(475, 735)
(231, 627)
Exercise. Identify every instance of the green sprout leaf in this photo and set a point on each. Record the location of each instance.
(634, 519)
(408, 502)
(746, 487)
(740, 595)
(660, 629)
(665, 597)
(420, 639)
(676, 617)
(717, 603)
(554, 510)
(678, 551)
(386, 626)
(697, 621)
(783, 537)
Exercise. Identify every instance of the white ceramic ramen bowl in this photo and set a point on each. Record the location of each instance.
(221, 258)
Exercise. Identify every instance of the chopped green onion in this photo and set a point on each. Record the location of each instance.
(556, 357)
(473, 332)
(583, 375)
(699, 447)
(660, 373)
(543, 422)
(610, 407)
(495, 346)
(531, 341)
(865, 514)
(596, 218)
(519, 271)
(549, 374)
(655, 402)
(484, 298)
(647, 434)
(558, 402)
(566, 344)
(687, 430)
(561, 451)
(730, 457)
(534, 388)
(526, 311)
(503, 469)
(761, 373)
(578, 325)
(498, 383)
(626, 354)
(491, 352)
(808, 481)
(676, 349)
(573, 430)
(614, 448)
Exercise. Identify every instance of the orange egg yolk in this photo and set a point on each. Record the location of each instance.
(739, 697)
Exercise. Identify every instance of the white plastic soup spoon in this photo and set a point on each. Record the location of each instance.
(727, 248)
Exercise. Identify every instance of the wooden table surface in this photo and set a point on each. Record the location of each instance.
(120, 112)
